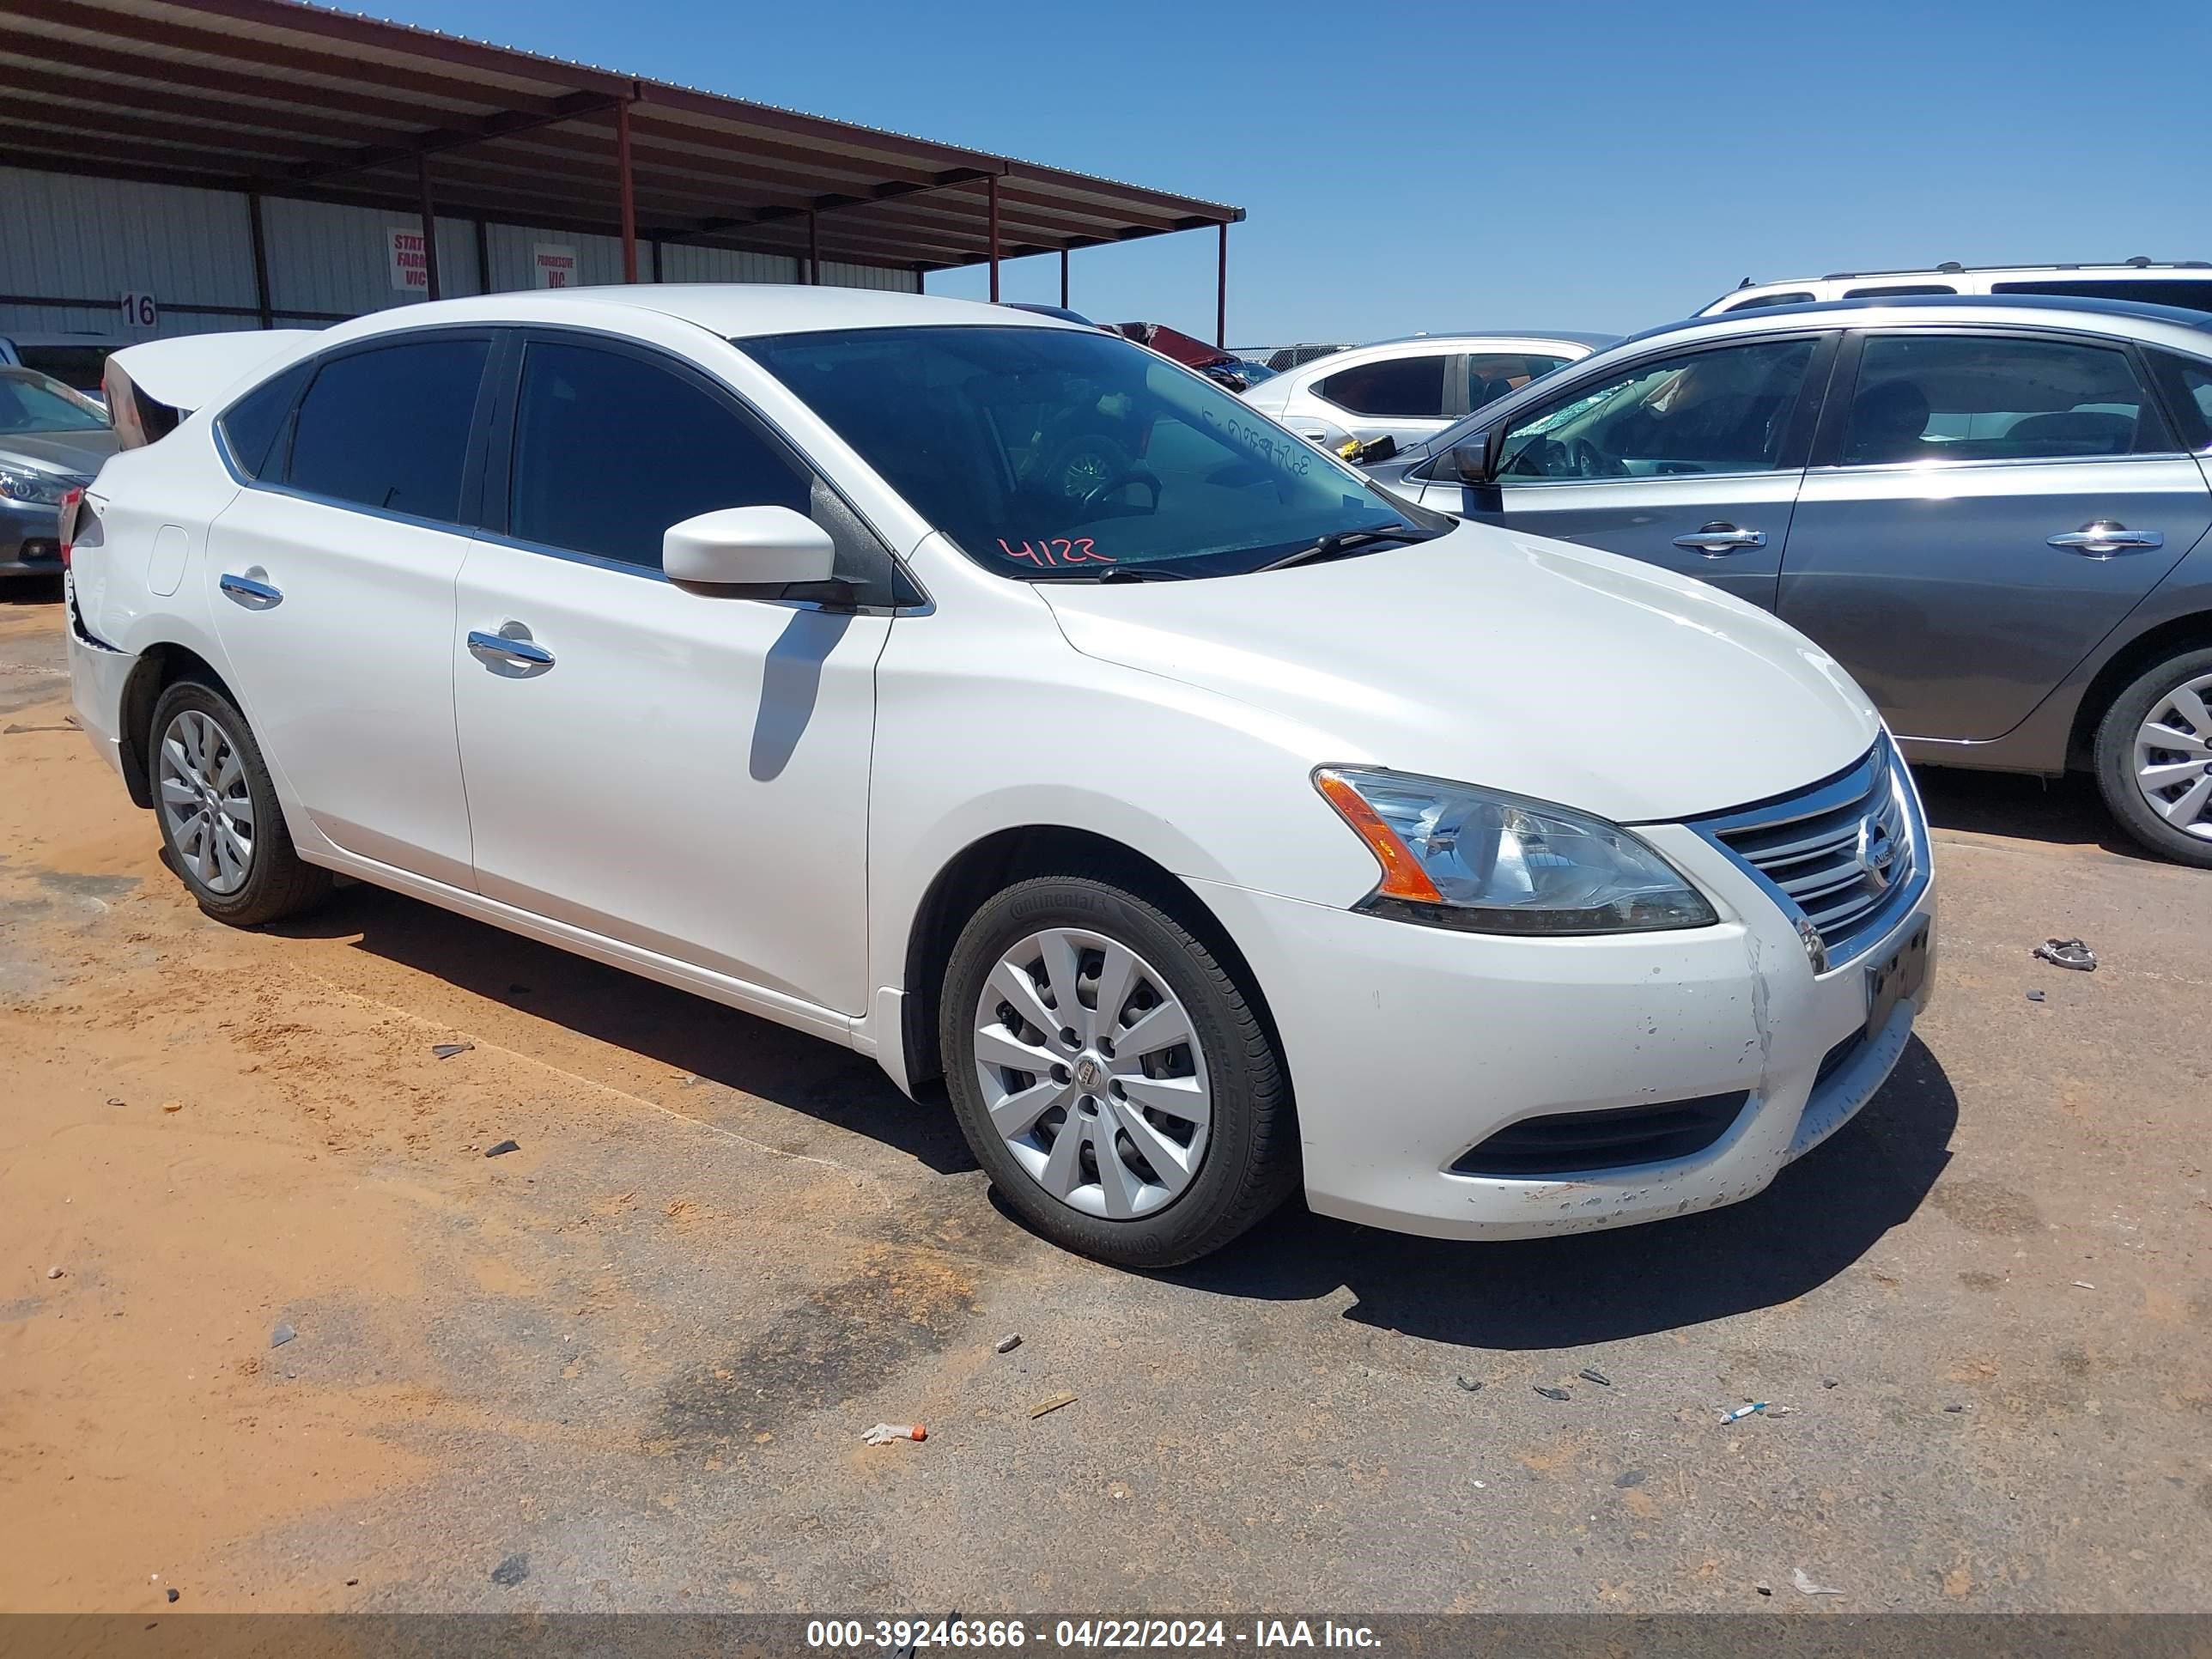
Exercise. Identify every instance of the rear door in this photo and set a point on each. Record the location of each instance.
(1984, 508)
(334, 571)
(1689, 459)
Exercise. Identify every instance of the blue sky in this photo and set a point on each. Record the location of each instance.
(1595, 166)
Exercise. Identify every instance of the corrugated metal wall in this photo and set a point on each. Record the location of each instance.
(66, 237)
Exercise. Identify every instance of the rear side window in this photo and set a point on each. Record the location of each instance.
(2188, 385)
(1489, 379)
(1759, 301)
(2190, 292)
(1898, 290)
(610, 450)
(1413, 387)
(388, 428)
(1996, 397)
(250, 426)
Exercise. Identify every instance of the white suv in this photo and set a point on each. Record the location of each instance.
(2187, 284)
(1229, 825)
(1410, 390)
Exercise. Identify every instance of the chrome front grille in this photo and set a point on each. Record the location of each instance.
(1848, 856)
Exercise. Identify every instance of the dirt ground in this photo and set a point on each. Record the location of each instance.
(628, 1365)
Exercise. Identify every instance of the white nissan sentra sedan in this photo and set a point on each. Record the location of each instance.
(1220, 826)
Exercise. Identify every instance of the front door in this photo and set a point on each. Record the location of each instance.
(1689, 460)
(681, 771)
(334, 574)
(1985, 507)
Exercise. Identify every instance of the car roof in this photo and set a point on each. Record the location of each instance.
(1444, 336)
(2107, 268)
(732, 310)
(2053, 309)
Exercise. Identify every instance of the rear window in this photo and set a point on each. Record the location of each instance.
(1413, 387)
(2190, 292)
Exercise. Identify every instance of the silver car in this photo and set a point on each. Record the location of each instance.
(1410, 390)
(1992, 512)
(51, 440)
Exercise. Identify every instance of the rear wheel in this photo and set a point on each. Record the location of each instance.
(2154, 758)
(1111, 1075)
(218, 811)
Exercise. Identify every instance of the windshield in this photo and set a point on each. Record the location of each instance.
(1045, 454)
(30, 402)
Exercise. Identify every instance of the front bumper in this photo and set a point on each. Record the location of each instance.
(30, 538)
(1409, 1045)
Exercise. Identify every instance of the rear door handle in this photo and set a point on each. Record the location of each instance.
(2103, 538)
(1720, 538)
(509, 650)
(250, 590)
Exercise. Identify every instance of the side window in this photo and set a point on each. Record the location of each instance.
(1996, 397)
(2190, 292)
(250, 426)
(1491, 377)
(1723, 411)
(1411, 387)
(1760, 301)
(2188, 384)
(389, 428)
(610, 450)
(1898, 290)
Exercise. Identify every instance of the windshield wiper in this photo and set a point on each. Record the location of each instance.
(1138, 573)
(1329, 546)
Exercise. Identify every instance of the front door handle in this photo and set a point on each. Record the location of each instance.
(250, 590)
(2102, 538)
(505, 650)
(1720, 538)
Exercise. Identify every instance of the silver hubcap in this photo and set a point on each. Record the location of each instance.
(2173, 757)
(1092, 1074)
(205, 802)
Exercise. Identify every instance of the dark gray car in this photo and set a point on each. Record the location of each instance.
(52, 441)
(1992, 512)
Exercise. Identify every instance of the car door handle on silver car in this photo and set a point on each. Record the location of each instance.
(250, 590)
(1719, 540)
(2103, 538)
(509, 651)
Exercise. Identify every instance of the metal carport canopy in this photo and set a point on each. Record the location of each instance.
(275, 98)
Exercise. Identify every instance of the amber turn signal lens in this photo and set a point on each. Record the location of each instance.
(1403, 875)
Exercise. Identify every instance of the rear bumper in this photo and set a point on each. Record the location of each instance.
(1409, 1045)
(98, 674)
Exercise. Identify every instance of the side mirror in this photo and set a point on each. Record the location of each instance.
(1478, 460)
(748, 547)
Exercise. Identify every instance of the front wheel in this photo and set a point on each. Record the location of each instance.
(219, 814)
(1112, 1077)
(2154, 758)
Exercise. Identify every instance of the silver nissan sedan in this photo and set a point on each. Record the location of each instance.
(1991, 511)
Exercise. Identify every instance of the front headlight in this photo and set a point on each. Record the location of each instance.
(1457, 856)
(44, 489)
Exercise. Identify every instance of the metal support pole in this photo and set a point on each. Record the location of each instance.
(813, 247)
(484, 258)
(656, 259)
(1063, 279)
(992, 182)
(1221, 291)
(260, 258)
(429, 224)
(629, 192)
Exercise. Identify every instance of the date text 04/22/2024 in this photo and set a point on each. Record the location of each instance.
(908, 1636)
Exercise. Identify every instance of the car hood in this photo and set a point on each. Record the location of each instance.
(76, 453)
(1509, 660)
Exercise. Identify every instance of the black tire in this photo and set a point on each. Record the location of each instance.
(279, 882)
(1250, 1164)
(2115, 758)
